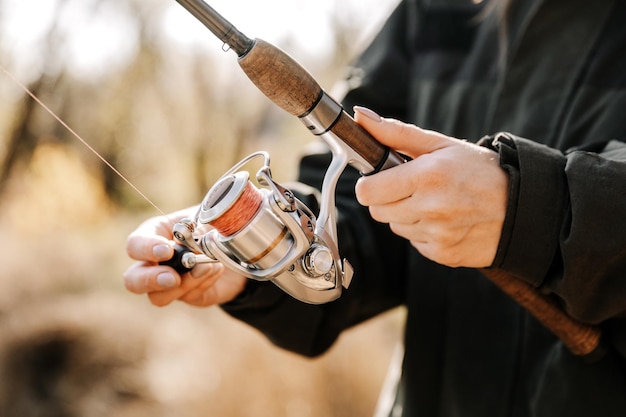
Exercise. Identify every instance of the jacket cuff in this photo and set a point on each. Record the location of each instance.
(538, 200)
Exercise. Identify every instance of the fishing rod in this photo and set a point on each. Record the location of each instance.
(299, 251)
(285, 82)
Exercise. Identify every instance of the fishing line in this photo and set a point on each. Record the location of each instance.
(242, 210)
(77, 136)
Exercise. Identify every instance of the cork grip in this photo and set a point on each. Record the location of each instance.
(293, 89)
(359, 140)
(280, 78)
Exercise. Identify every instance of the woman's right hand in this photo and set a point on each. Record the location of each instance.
(205, 285)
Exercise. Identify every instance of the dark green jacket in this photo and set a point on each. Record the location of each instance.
(556, 76)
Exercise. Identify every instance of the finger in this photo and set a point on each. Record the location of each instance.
(204, 273)
(143, 278)
(404, 137)
(437, 235)
(412, 232)
(405, 211)
(149, 248)
(202, 295)
(388, 186)
(440, 254)
(213, 291)
(151, 241)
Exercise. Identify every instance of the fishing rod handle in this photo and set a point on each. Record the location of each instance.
(581, 339)
(285, 82)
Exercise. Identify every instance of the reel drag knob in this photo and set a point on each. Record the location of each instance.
(318, 261)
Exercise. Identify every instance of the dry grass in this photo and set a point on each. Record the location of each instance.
(104, 354)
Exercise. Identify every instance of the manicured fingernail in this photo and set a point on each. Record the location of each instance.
(200, 270)
(166, 280)
(162, 251)
(370, 114)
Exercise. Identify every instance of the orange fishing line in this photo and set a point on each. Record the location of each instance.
(239, 214)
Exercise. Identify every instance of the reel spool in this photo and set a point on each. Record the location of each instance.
(265, 234)
(245, 227)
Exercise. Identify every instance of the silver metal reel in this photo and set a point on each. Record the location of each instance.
(282, 242)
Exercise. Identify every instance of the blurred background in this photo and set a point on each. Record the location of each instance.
(151, 90)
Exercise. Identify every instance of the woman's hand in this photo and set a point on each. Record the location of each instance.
(449, 201)
(206, 284)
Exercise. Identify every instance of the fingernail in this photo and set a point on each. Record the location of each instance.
(166, 280)
(201, 270)
(162, 251)
(370, 114)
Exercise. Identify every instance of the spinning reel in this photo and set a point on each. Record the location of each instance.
(267, 234)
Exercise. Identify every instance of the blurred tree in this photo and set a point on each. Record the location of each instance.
(21, 140)
(170, 118)
(23, 134)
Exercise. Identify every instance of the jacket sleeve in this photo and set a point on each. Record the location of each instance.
(565, 231)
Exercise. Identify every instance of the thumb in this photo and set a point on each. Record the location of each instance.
(403, 137)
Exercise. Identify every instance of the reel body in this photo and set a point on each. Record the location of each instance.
(266, 234)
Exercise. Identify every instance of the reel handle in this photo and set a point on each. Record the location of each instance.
(179, 261)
